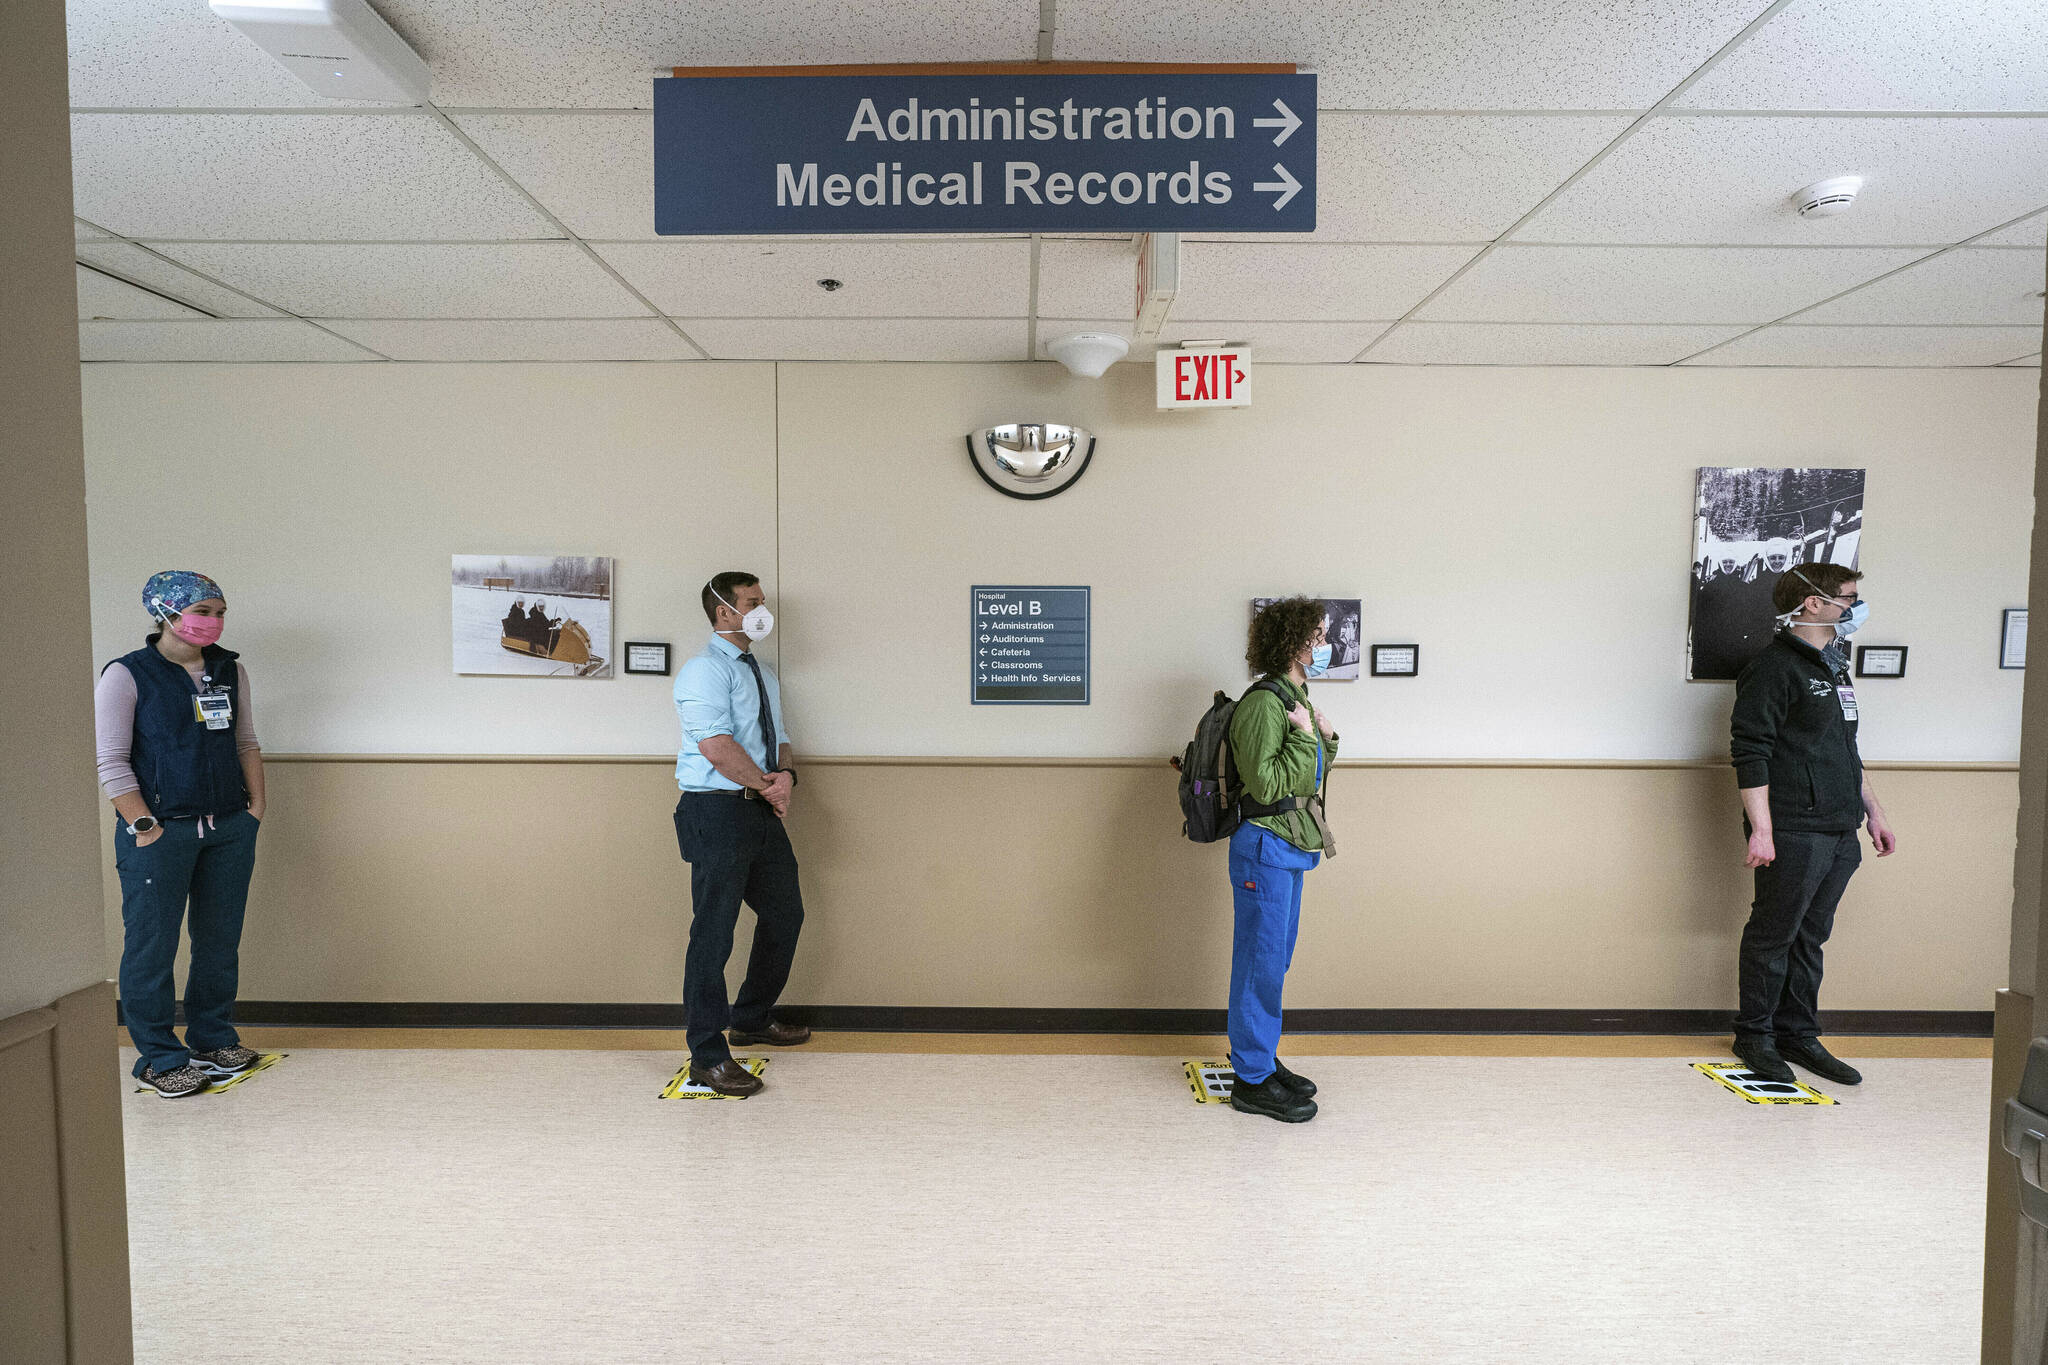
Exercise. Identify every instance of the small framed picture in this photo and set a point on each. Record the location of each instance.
(1881, 661)
(2012, 643)
(645, 657)
(1396, 661)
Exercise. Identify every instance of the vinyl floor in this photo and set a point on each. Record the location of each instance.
(439, 1204)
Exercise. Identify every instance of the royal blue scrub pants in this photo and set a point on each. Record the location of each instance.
(1265, 885)
(207, 866)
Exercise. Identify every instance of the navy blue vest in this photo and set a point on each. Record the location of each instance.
(186, 770)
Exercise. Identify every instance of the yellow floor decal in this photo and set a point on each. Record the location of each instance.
(1754, 1088)
(1211, 1081)
(681, 1087)
(264, 1061)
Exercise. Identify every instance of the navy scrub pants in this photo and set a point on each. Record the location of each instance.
(206, 867)
(738, 852)
(1265, 885)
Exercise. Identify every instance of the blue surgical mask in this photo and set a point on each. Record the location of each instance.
(1319, 662)
(1852, 619)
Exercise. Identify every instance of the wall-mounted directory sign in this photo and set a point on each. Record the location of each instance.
(1028, 646)
(1136, 151)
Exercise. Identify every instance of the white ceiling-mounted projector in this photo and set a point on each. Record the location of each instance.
(1088, 354)
(342, 49)
(1826, 198)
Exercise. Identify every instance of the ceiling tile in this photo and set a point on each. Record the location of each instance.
(1498, 343)
(103, 296)
(1888, 54)
(621, 339)
(1791, 344)
(1088, 279)
(2033, 361)
(363, 280)
(1438, 177)
(530, 54)
(1427, 54)
(170, 54)
(1966, 285)
(1299, 282)
(86, 232)
(2032, 232)
(1715, 181)
(241, 339)
(595, 172)
(947, 339)
(1654, 284)
(302, 177)
(771, 278)
(148, 268)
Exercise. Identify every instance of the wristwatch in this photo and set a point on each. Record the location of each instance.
(145, 825)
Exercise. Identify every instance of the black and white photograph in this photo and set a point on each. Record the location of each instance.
(533, 615)
(1343, 627)
(1749, 527)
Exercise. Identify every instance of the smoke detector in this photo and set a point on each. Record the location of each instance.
(1827, 198)
(342, 49)
(1088, 354)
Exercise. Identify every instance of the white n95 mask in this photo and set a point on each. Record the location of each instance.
(756, 624)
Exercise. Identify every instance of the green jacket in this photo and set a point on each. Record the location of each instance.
(1276, 759)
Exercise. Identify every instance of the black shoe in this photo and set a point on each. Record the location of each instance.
(1272, 1099)
(1809, 1053)
(1298, 1084)
(1760, 1055)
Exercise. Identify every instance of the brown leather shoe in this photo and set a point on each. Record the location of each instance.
(727, 1078)
(775, 1035)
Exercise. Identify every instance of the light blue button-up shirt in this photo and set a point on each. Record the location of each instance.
(715, 695)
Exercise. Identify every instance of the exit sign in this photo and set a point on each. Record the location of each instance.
(1209, 378)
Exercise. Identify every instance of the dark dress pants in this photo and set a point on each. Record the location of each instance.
(1792, 916)
(738, 851)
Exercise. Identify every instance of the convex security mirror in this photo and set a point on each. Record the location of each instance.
(1030, 459)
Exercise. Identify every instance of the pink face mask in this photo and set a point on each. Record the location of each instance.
(198, 630)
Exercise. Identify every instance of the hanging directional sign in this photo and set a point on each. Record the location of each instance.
(998, 151)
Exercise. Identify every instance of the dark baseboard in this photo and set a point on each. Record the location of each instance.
(975, 1019)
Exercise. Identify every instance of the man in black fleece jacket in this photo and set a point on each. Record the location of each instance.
(1793, 740)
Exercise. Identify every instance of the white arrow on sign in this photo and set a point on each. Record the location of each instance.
(1286, 123)
(1287, 185)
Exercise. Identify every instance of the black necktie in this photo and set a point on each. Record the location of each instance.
(767, 715)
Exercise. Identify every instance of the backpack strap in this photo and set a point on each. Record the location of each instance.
(1256, 810)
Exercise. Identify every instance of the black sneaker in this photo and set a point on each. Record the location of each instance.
(225, 1061)
(1299, 1084)
(1272, 1099)
(1809, 1053)
(1760, 1055)
(176, 1083)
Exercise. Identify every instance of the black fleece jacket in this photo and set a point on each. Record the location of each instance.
(1789, 732)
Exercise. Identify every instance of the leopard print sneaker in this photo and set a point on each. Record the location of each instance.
(225, 1061)
(176, 1083)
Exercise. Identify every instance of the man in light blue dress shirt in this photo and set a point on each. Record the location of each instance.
(737, 780)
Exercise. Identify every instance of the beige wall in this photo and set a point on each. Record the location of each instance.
(63, 1218)
(1069, 885)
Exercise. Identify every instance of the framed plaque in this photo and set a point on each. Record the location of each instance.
(1881, 661)
(2012, 643)
(1396, 661)
(643, 656)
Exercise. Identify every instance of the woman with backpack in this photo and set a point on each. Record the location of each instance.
(179, 760)
(1282, 751)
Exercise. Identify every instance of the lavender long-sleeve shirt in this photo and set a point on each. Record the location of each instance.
(113, 709)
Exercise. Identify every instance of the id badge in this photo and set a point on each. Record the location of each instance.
(216, 709)
(1847, 696)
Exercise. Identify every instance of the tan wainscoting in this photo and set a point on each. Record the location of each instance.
(1066, 883)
